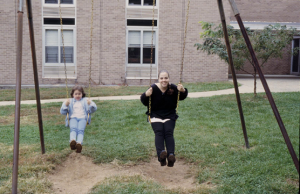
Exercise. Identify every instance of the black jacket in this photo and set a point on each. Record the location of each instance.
(163, 105)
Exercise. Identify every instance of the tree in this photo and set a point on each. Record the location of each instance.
(267, 43)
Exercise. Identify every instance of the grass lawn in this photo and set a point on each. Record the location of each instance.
(60, 92)
(208, 134)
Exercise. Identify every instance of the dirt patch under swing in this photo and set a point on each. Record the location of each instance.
(78, 174)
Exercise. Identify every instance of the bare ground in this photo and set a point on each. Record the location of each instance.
(78, 174)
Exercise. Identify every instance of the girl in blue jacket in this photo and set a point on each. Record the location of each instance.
(78, 108)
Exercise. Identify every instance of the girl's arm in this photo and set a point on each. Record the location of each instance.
(183, 95)
(145, 99)
(64, 109)
(92, 107)
(145, 96)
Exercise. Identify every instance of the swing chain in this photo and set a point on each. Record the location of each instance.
(183, 49)
(62, 39)
(65, 65)
(91, 46)
(151, 58)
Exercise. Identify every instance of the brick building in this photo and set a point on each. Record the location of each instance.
(257, 14)
(122, 36)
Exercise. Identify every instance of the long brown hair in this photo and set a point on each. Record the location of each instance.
(79, 88)
(169, 90)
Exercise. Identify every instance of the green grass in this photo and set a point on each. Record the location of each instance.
(208, 134)
(60, 92)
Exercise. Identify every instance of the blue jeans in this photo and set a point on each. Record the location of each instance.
(77, 127)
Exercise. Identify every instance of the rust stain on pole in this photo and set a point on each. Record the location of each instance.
(267, 90)
(35, 72)
(222, 15)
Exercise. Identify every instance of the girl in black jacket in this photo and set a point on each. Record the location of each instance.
(163, 115)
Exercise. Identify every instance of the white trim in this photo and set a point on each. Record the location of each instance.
(58, 27)
(154, 65)
(59, 64)
(57, 5)
(261, 25)
(143, 6)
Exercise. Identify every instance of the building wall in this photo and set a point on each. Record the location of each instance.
(197, 66)
(8, 34)
(270, 11)
(109, 40)
(278, 66)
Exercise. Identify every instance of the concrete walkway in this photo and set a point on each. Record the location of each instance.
(275, 85)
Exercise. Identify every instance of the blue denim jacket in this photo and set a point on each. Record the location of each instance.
(88, 109)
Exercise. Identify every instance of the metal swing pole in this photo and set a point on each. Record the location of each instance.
(222, 15)
(265, 85)
(17, 98)
(36, 78)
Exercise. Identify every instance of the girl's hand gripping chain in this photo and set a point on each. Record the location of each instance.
(88, 101)
(180, 87)
(67, 102)
(149, 91)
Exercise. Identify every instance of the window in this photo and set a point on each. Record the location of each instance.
(141, 2)
(139, 47)
(53, 42)
(59, 1)
(139, 54)
(56, 21)
(295, 66)
(133, 22)
(53, 55)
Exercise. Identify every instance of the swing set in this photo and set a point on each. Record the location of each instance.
(32, 41)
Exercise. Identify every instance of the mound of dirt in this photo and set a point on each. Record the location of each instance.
(78, 174)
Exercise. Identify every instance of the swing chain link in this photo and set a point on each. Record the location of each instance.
(151, 58)
(183, 49)
(62, 39)
(90, 66)
(91, 46)
(64, 58)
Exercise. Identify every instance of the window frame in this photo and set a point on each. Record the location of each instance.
(141, 64)
(57, 5)
(292, 57)
(142, 5)
(59, 64)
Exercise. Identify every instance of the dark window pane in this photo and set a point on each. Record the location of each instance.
(134, 55)
(147, 55)
(51, 1)
(66, 1)
(68, 54)
(149, 2)
(56, 21)
(134, 2)
(141, 22)
(296, 57)
(51, 54)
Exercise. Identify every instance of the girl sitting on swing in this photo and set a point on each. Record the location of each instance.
(78, 108)
(163, 115)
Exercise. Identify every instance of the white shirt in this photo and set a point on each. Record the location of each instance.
(78, 111)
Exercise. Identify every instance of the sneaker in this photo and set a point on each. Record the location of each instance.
(73, 145)
(78, 148)
(163, 158)
(171, 160)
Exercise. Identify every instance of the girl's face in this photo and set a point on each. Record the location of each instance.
(77, 95)
(163, 79)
